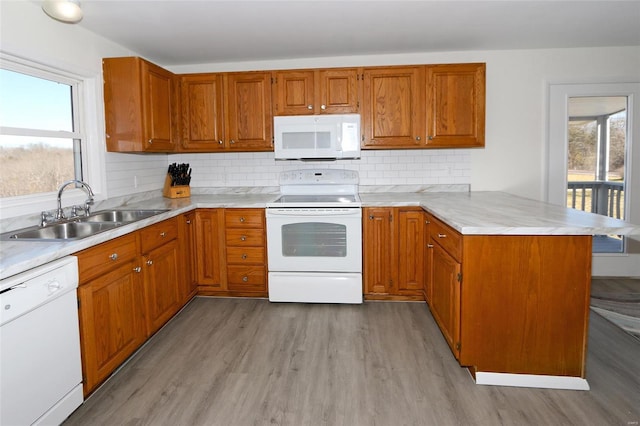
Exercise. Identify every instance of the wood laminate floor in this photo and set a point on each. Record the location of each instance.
(251, 362)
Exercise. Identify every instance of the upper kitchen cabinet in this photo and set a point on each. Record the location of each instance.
(392, 107)
(249, 121)
(226, 112)
(140, 106)
(202, 112)
(455, 105)
(320, 91)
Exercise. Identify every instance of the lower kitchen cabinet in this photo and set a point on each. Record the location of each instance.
(444, 283)
(129, 287)
(187, 237)
(111, 307)
(393, 252)
(160, 260)
(231, 252)
(511, 303)
(246, 251)
(209, 245)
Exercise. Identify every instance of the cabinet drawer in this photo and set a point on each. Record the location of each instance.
(246, 278)
(447, 237)
(246, 255)
(155, 235)
(98, 260)
(245, 237)
(244, 218)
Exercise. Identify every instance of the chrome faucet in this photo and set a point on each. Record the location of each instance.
(87, 203)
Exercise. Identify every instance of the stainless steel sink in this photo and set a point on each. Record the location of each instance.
(124, 216)
(81, 227)
(63, 231)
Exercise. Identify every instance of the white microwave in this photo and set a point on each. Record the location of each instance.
(317, 137)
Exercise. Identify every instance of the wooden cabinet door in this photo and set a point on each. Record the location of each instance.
(445, 297)
(379, 250)
(249, 122)
(411, 252)
(208, 248)
(189, 283)
(338, 91)
(294, 92)
(157, 106)
(392, 107)
(202, 112)
(162, 284)
(428, 260)
(111, 321)
(139, 106)
(455, 105)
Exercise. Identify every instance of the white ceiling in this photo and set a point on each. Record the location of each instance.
(190, 32)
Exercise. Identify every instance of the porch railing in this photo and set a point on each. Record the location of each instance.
(601, 197)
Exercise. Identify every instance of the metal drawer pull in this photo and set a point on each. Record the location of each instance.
(162, 234)
(429, 245)
(323, 106)
(188, 222)
(245, 278)
(243, 238)
(309, 106)
(114, 256)
(442, 235)
(137, 269)
(242, 219)
(149, 262)
(244, 255)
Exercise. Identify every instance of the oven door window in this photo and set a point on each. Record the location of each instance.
(314, 239)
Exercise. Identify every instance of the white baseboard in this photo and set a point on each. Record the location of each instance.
(531, 381)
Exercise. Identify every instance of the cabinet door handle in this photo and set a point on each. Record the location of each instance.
(245, 278)
(371, 217)
(137, 269)
(232, 141)
(188, 222)
(163, 234)
(323, 106)
(150, 141)
(242, 219)
(243, 238)
(149, 262)
(244, 255)
(427, 222)
(429, 245)
(430, 138)
(113, 256)
(220, 142)
(442, 235)
(418, 138)
(309, 106)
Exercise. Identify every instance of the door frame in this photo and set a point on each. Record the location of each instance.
(604, 264)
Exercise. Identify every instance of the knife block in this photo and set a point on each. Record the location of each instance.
(180, 191)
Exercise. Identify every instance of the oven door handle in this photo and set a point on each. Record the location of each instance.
(314, 212)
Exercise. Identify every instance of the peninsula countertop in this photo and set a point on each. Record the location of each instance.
(479, 213)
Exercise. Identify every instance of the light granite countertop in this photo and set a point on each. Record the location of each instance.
(494, 213)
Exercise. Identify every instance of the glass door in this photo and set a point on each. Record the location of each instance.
(594, 163)
(596, 158)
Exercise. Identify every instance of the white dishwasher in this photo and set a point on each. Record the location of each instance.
(40, 367)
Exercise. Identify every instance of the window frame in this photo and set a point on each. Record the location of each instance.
(86, 91)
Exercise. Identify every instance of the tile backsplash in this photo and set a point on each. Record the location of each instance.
(401, 167)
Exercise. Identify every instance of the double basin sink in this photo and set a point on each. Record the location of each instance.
(81, 227)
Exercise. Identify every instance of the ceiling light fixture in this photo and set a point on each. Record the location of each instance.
(63, 10)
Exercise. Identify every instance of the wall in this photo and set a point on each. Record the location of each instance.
(26, 32)
(514, 159)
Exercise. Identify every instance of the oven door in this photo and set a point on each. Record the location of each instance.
(314, 240)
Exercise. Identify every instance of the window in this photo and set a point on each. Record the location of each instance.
(40, 140)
